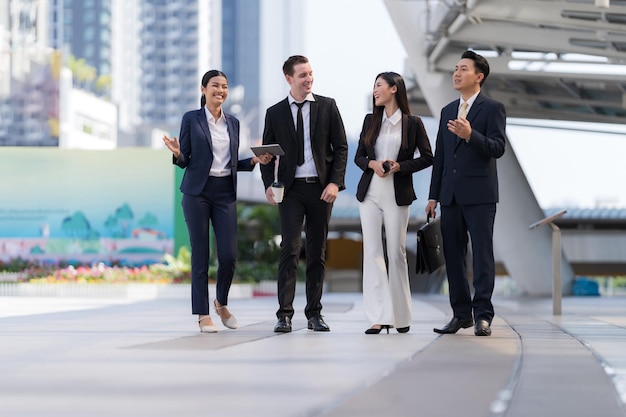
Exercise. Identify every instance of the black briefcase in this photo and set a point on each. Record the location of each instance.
(429, 247)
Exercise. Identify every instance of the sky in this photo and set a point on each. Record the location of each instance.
(349, 42)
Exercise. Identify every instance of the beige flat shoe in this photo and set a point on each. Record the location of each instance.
(228, 319)
(206, 324)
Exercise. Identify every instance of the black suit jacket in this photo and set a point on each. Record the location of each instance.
(196, 151)
(414, 138)
(328, 142)
(466, 171)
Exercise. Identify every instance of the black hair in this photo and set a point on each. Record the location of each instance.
(480, 64)
(292, 61)
(402, 101)
(205, 80)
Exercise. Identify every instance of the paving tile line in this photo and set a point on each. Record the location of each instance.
(534, 334)
(613, 363)
(500, 404)
(446, 364)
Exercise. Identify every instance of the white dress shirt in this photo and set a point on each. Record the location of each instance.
(220, 143)
(308, 168)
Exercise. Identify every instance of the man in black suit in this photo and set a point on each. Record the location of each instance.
(309, 129)
(465, 181)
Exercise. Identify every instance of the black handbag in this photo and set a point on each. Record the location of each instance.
(429, 247)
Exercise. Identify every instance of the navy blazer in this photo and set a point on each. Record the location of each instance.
(466, 171)
(196, 151)
(328, 142)
(414, 138)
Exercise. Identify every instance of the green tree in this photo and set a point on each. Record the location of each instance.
(77, 226)
(112, 226)
(124, 216)
(83, 74)
(258, 226)
(258, 249)
(103, 85)
(149, 220)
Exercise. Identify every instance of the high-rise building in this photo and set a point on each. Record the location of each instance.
(282, 34)
(241, 43)
(126, 67)
(84, 27)
(28, 76)
(179, 40)
(155, 52)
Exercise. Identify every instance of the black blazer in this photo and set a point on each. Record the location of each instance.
(466, 171)
(196, 151)
(414, 138)
(328, 142)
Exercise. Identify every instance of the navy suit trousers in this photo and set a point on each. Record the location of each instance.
(457, 221)
(216, 204)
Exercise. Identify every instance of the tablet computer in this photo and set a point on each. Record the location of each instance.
(273, 149)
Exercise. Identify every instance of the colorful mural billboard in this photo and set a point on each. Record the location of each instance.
(114, 206)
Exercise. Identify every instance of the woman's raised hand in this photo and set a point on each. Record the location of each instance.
(172, 145)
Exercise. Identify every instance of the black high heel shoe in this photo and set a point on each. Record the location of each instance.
(373, 330)
(403, 329)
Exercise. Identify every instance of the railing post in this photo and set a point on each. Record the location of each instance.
(557, 292)
(556, 270)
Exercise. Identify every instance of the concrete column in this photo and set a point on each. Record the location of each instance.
(527, 254)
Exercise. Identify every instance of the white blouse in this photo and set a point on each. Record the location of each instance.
(220, 142)
(389, 138)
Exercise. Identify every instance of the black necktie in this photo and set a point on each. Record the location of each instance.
(300, 133)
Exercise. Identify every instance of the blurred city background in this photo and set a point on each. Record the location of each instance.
(88, 88)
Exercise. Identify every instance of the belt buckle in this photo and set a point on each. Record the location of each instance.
(310, 180)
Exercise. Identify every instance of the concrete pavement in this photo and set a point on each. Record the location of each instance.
(93, 357)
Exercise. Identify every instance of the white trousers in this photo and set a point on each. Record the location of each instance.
(386, 291)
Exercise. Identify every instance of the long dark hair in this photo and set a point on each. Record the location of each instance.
(205, 80)
(402, 101)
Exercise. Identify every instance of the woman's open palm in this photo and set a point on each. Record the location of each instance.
(172, 145)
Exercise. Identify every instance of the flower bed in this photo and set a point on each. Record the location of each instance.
(170, 279)
(102, 274)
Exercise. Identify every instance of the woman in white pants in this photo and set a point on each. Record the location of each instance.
(392, 146)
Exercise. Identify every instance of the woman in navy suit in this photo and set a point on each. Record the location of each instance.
(387, 155)
(208, 151)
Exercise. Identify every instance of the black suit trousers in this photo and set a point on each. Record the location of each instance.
(456, 222)
(302, 205)
(217, 205)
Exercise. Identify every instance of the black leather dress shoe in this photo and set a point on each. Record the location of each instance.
(482, 328)
(454, 326)
(283, 325)
(317, 324)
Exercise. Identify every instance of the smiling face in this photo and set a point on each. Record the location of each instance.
(216, 91)
(301, 82)
(465, 79)
(384, 94)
